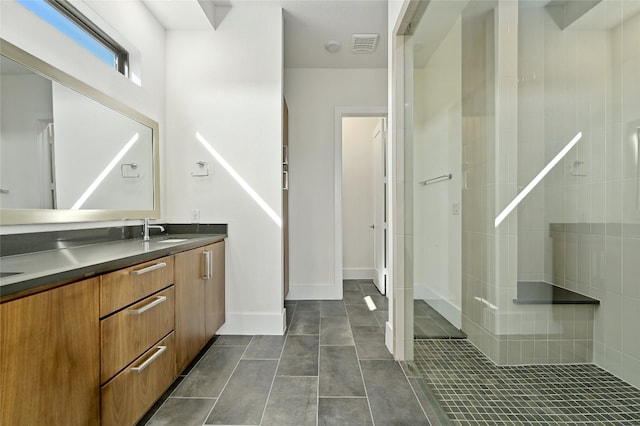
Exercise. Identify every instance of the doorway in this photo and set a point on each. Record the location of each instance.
(364, 200)
(361, 241)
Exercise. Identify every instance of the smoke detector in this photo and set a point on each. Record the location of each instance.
(332, 46)
(364, 43)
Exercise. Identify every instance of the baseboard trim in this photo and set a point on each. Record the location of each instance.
(451, 312)
(314, 291)
(250, 324)
(358, 273)
(388, 336)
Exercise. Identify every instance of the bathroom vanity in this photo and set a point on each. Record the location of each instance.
(95, 334)
(95, 324)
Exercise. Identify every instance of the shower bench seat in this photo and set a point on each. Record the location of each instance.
(544, 293)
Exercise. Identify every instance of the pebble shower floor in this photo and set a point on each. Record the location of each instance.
(472, 390)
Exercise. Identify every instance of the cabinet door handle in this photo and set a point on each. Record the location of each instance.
(207, 264)
(159, 265)
(159, 300)
(149, 361)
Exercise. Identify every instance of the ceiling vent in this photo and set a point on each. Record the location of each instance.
(364, 43)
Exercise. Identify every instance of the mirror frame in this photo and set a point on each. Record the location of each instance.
(42, 216)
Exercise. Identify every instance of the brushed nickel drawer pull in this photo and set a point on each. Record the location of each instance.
(149, 268)
(148, 362)
(159, 300)
(207, 264)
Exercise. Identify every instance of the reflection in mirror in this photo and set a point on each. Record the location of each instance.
(25, 127)
(103, 159)
(66, 157)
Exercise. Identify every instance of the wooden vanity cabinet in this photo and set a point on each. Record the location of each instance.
(136, 339)
(50, 357)
(199, 286)
(125, 286)
(133, 330)
(102, 351)
(214, 292)
(135, 389)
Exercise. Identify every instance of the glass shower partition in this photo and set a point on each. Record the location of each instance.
(578, 229)
(534, 109)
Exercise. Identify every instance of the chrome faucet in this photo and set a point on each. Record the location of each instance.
(145, 229)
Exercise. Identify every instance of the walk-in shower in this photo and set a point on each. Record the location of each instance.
(533, 107)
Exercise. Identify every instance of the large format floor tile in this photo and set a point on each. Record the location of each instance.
(305, 322)
(293, 402)
(208, 377)
(182, 411)
(335, 331)
(361, 315)
(399, 407)
(339, 372)
(300, 356)
(265, 347)
(249, 383)
(332, 308)
(371, 346)
(344, 411)
(313, 375)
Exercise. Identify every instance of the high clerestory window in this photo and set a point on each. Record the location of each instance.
(66, 18)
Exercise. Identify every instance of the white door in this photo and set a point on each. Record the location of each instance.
(380, 205)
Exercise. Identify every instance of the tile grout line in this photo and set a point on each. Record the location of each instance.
(355, 347)
(184, 376)
(275, 373)
(318, 381)
(415, 395)
(228, 380)
(191, 397)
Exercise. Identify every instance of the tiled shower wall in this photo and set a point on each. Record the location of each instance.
(528, 87)
(479, 240)
(581, 228)
(602, 261)
(504, 146)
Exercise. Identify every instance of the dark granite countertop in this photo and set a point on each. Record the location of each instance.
(26, 272)
(543, 293)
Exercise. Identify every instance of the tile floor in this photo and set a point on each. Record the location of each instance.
(429, 324)
(472, 390)
(331, 368)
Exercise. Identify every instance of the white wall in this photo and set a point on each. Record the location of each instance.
(357, 196)
(232, 95)
(129, 20)
(312, 96)
(437, 134)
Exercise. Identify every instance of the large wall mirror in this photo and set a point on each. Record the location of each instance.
(69, 153)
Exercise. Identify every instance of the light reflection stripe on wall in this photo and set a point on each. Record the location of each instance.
(104, 173)
(536, 180)
(236, 176)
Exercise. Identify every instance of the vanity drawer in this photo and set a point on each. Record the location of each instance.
(131, 393)
(126, 286)
(128, 333)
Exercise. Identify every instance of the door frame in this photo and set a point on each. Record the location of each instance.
(381, 206)
(340, 112)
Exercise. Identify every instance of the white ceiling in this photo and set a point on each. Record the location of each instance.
(308, 25)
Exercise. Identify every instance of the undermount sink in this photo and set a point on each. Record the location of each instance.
(173, 240)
